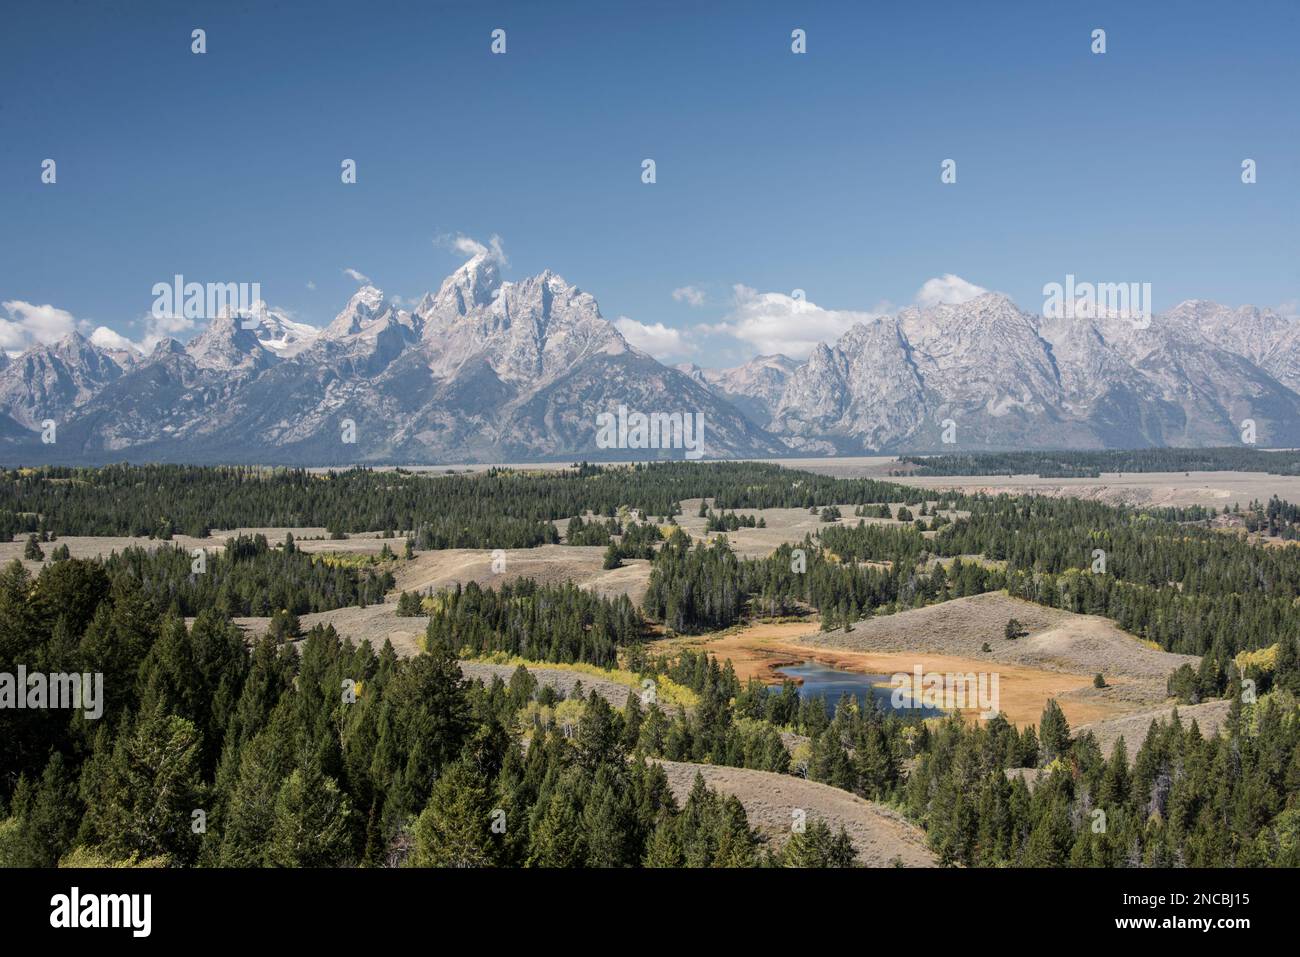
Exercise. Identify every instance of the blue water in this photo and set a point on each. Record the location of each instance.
(822, 681)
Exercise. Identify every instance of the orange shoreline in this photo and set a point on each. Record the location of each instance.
(760, 650)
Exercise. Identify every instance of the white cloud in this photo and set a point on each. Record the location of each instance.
(355, 274)
(691, 295)
(311, 285)
(106, 338)
(657, 339)
(468, 246)
(30, 324)
(772, 322)
(947, 289)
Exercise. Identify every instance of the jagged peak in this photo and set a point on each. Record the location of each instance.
(775, 360)
(365, 305)
(984, 303)
(73, 340)
(226, 345)
(167, 346)
(367, 295)
(1204, 308)
(472, 283)
(70, 343)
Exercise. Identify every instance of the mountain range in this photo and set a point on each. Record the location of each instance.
(486, 370)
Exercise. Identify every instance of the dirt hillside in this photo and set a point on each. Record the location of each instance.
(879, 833)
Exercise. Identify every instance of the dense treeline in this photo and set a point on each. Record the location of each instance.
(248, 577)
(500, 508)
(730, 521)
(713, 732)
(560, 623)
(638, 541)
(1185, 800)
(861, 750)
(1090, 464)
(1278, 518)
(861, 570)
(594, 532)
(324, 754)
(695, 589)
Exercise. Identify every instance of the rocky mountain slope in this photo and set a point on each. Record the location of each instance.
(484, 369)
(481, 370)
(988, 375)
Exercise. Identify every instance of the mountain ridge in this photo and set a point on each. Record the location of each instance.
(486, 369)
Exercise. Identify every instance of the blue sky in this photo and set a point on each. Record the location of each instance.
(775, 171)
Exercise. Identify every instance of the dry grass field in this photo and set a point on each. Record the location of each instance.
(548, 564)
(1055, 640)
(374, 623)
(1058, 657)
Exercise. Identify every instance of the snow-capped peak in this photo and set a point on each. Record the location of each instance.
(366, 305)
(471, 286)
(273, 329)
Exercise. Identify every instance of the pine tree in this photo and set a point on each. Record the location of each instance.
(152, 788)
(43, 819)
(423, 721)
(609, 823)
(817, 846)
(455, 828)
(168, 678)
(1051, 839)
(312, 821)
(558, 835)
(1114, 789)
(248, 813)
(1053, 731)
(664, 848)
(599, 734)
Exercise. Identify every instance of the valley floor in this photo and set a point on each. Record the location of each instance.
(1058, 656)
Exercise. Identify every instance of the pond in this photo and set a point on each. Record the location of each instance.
(827, 683)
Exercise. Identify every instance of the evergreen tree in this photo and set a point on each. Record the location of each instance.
(312, 821)
(1053, 731)
(151, 789)
(455, 829)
